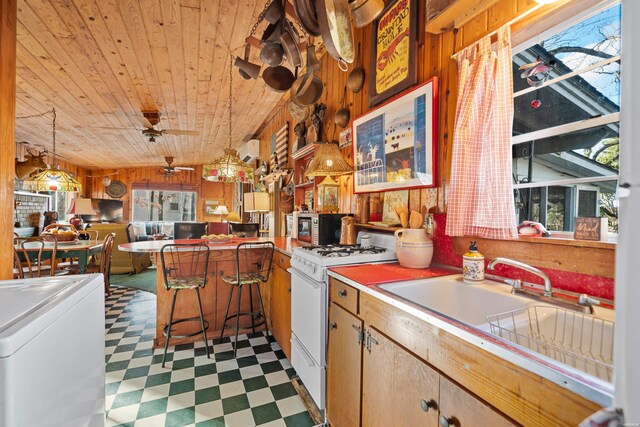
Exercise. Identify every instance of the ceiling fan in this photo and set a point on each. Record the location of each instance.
(169, 169)
(151, 118)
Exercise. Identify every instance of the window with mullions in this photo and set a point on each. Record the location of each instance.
(566, 122)
(164, 205)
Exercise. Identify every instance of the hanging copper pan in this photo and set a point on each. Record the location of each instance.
(307, 16)
(335, 27)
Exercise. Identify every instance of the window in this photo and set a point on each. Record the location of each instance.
(163, 205)
(566, 123)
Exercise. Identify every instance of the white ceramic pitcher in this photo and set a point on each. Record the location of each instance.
(413, 247)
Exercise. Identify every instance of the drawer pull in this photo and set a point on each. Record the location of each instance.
(446, 422)
(426, 405)
(342, 293)
(333, 325)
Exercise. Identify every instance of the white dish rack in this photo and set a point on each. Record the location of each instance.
(582, 341)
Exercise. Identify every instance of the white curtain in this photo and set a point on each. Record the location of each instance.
(480, 200)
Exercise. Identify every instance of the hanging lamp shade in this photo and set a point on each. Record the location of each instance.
(328, 161)
(52, 180)
(228, 168)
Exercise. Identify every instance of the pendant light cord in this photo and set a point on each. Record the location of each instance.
(230, 89)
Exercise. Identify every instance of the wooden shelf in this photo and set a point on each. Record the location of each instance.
(378, 228)
(305, 184)
(303, 151)
(456, 14)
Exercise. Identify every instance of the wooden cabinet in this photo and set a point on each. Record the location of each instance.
(472, 413)
(407, 372)
(279, 311)
(344, 367)
(397, 388)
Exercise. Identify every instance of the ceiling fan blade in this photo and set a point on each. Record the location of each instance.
(183, 168)
(529, 65)
(112, 128)
(181, 132)
(144, 121)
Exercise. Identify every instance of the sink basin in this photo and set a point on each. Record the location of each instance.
(582, 341)
(450, 296)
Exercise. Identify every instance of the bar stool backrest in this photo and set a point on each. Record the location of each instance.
(254, 259)
(184, 264)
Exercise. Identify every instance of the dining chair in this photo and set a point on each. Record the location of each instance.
(105, 262)
(184, 266)
(189, 230)
(253, 265)
(30, 257)
(218, 228)
(244, 229)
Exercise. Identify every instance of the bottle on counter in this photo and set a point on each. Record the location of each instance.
(473, 265)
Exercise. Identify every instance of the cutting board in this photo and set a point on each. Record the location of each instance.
(388, 273)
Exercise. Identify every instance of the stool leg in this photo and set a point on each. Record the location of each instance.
(204, 330)
(226, 314)
(264, 313)
(235, 346)
(166, 342)
(253, 327)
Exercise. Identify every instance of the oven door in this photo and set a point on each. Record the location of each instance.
(309, 314)
(305, 229)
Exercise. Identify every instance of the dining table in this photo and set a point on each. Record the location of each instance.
(80, 249)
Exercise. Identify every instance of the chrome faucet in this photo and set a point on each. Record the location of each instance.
(526, 267)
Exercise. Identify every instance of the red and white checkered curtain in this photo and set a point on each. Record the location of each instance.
(480, 199)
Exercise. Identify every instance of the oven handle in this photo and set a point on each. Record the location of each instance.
(308, 280)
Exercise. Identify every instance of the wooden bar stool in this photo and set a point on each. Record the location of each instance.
(184, 266)
(253, 265)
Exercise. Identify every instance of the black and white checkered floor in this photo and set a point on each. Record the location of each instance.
(252, 389)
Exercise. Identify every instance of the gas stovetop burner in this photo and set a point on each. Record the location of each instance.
(335, 251)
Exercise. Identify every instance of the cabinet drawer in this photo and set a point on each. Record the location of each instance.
(281, 260)
(344, 295)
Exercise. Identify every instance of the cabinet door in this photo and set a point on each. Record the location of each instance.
(344, 365)
(398, 389)
(459, 408)
(280, 312)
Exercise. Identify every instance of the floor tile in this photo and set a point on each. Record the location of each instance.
(252, 389)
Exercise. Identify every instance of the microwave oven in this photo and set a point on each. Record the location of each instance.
(319, 229)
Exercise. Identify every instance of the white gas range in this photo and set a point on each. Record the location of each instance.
(310, 301)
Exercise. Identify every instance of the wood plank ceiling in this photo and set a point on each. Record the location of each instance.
(101, 62)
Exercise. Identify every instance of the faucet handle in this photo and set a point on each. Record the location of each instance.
(586, 300)
(516, 283)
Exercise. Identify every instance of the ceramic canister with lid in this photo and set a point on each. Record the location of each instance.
(413, 248)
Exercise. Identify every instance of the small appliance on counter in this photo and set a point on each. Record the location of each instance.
(319, 228)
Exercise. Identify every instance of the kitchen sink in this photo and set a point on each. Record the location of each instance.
(452, 297)
(582, 341)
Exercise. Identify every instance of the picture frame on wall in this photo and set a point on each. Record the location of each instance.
(394, 48)
(395, 145)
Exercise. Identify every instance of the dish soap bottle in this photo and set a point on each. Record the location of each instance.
(473, 265)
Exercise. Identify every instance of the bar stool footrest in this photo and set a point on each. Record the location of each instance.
(165, 330)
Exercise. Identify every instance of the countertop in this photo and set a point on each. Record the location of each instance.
(578, 382)
(283, 245)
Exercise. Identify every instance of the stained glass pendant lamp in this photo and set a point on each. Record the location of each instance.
(228, 167)
(52, 178)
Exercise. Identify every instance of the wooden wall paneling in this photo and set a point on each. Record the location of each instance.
(597, 261)
(8, 18)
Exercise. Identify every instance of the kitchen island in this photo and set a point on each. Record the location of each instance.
(222, 262)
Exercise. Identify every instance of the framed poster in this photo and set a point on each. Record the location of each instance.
(210, 205)
(395, 145)
(393, 51)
